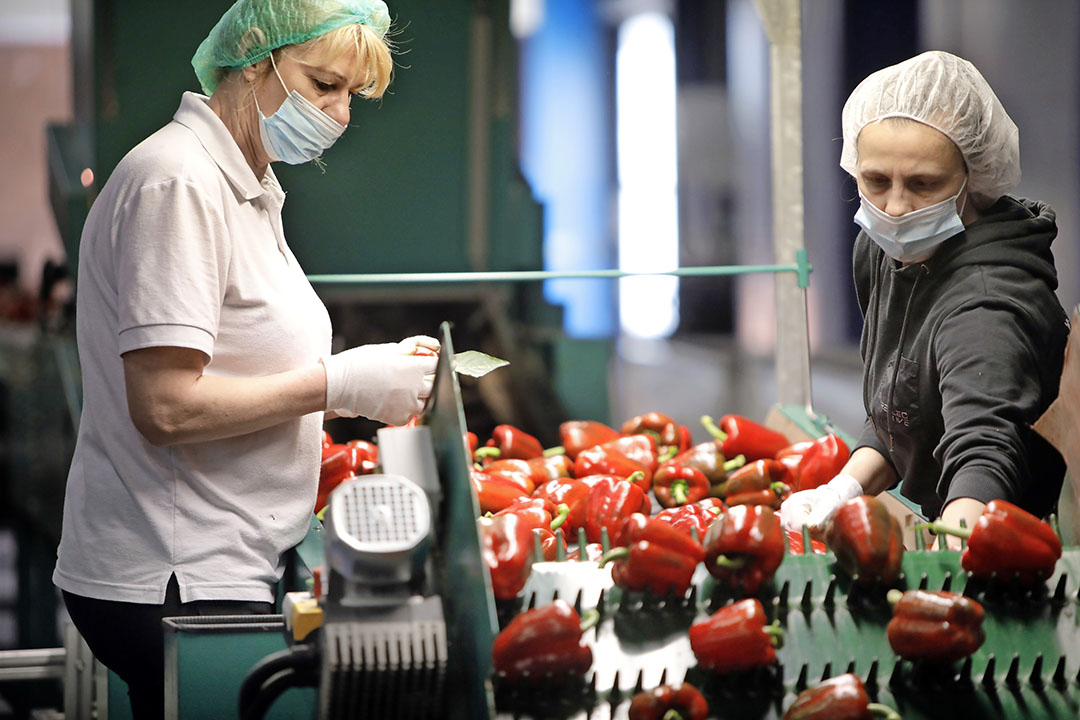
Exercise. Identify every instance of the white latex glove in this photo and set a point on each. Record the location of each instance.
(384, 382)
(408, 345)
(815, 507)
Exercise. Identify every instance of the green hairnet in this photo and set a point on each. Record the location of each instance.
(251, 29)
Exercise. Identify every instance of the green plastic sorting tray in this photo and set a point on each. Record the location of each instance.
(1029, 666)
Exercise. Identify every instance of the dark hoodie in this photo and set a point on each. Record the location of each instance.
(980, 339)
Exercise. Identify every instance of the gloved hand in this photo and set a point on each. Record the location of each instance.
(385, 382)
(815, 508)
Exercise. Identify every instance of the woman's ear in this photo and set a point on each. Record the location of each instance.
(255, 71)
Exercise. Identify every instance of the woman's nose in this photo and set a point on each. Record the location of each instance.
(339, 110)
(897, 203)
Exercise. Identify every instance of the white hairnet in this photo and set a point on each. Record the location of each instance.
(948, 94)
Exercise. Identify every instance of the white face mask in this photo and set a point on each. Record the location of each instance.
(913, 236)
(298, 131)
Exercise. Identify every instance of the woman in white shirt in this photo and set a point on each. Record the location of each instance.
(205, 352)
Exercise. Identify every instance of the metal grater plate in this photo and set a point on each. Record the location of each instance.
(384, 513)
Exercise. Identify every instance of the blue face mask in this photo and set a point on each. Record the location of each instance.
(298, 132)
(913, 236)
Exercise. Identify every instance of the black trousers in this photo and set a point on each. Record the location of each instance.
(128, 639)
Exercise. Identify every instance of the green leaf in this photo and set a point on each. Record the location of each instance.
(476, 364)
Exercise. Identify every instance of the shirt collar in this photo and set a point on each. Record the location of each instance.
(195, 114)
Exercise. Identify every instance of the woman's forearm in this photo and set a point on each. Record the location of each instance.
(871, 469)
(171, 401)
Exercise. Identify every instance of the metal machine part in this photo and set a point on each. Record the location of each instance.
(408, 451)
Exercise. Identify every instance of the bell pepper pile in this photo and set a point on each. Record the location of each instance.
(666, 702)
(651, 555)
(341, 462)
(744, 547)
(736, 637)
(1007, 542)
(543, 645)
(708, 458)
(867, 540)
(693, 519)
(671, 437)
(762, 482)
(938, 626)
(843, 697)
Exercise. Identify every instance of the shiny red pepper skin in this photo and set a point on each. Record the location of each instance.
(935, 625)
(750, 439)
(795, 544)
(543, 644)
(623, 457)
(659, 558)
(820, 462)
(550, 468)
(494, 493)
(514, 469)
(506, 546)
(577, 435)
(514, 443)
(697, 516)
(751, 537)
(472, 442)
(684, 699)
(708, 457)
(1011, 542)
(867, 541)
(756, 475)
(672, 438)
(679, 485)
(843, 697)
(537, 512)
(733, 638)
(574, 492)
(610, 501)
(766, 498)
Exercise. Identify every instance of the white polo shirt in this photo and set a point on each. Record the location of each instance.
(184, 248)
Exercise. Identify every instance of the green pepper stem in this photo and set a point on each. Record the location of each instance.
(940, 528)
(589, 619)
(635, 476)
(894, 595)
(651, 433)
(614, 553)
(553, 451)
(670, 452)
(678, 491)
(710, 425)
(883, 711)
(778, 487)
(735, 463)
(673, 714)
(775, 633)
(564, 512)
(487, 452)
(735, 563)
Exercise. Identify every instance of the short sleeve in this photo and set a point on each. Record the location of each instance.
(172, 255)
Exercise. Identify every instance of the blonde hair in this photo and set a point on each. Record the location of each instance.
(375, 63)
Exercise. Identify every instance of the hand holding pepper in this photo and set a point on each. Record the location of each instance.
(939, 626)
(843, 697)
(1007, 541)
(867, 540)
(651, 555)
(543, 644)
(744, 547)
(736, 637)
(669, 702)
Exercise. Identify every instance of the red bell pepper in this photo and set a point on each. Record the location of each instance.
(867, 540)
(744, 547)
(550, 468)
(843, 697)
(573, 492)
(327, 440)
(367, 456)
(1009, 542)
(541, 515)
(493, 493)
(506, 546)
(624, 456)
(820, 462)
(339, 463)
(696, 517)
(934, 625)
(651, 555)
(708, 457)
(578, 435)
(610, 501)
(542, 645)
(672, 438)
(472, 442)
(593, 552)
(679, 485)
(514, 443)
(742, 436)
(795, 544)
(754, 476)
(669, 702)
(768, 498)
(516, 470)
(736, 637)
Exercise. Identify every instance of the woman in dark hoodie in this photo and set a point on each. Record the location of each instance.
(963, 336)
